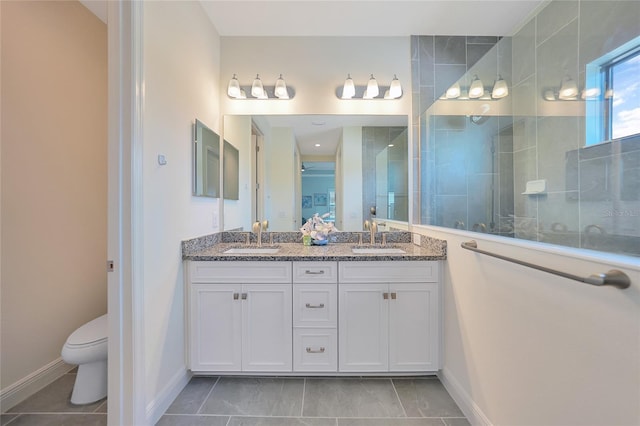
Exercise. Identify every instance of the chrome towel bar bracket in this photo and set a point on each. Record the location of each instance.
(613, 278)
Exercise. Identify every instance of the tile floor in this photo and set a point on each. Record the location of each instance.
(265, 401)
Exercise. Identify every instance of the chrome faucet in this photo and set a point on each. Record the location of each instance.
(257, 229)
(374, 229)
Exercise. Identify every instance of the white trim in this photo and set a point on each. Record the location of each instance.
(157, 407)
(126, 369)
(27, 386)
(471, 410)
(618, 260)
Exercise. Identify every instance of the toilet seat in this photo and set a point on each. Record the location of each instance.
(92, 333)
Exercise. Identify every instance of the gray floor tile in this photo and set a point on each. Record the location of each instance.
(102, 408)
(192, 396)
(54, 398)
(426, 398)
(281, 421)
(6, 418)
(192, 420)
(461, 421)
(61, 419)
(249, 396)
(390, 422)
(351, 398)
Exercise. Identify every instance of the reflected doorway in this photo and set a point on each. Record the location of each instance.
(318, 189)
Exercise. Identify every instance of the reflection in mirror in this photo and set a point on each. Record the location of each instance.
(231, 165)
(359, 162)
(206, 161)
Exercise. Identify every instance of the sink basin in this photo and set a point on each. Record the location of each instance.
(376, 250)
(252, 250)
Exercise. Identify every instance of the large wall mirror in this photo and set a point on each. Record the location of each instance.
(206, 161)
(351, 167)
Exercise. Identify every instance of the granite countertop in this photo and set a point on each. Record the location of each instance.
(212, 248)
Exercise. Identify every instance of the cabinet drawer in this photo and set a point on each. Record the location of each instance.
(315, 305)
(389, 271)
(315, 272)
(315, 349)
(240, 272)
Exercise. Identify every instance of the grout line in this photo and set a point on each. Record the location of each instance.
(11, 421)
(208, 395)
(100, 406)
(304, 390)
(398, 396)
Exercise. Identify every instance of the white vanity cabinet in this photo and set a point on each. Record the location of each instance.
(389, 317)
(240, 316)
(315, 316)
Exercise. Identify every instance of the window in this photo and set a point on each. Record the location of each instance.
(613, 95)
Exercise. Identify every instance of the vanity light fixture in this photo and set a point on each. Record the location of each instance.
(257, 90)
(395, 90)
(453, 92)
(348, 89)
(476, 89)
(302, 168)
(233, 90)
(500, 88)
(371, 91)
(568, 89)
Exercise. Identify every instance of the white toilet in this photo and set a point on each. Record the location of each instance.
(87, 347)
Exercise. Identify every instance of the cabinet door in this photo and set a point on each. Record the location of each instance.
(413, 327)
(215, 327)
(363, 327)
(266, 327)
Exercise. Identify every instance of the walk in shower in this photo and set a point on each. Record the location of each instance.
(556, 160)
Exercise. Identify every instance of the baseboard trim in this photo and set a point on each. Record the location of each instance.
(157, 407)
(14, 394)
(472, 412)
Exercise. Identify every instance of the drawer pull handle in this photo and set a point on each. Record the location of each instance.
(394, 296)
(315, 351)
(244, 296)
(236, 296)
(308, 272)
(385, 296)
(310, 306)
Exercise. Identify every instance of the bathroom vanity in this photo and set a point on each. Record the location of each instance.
(313, 310)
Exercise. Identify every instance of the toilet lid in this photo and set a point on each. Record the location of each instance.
(91, 332)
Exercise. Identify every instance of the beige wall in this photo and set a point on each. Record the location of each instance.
(54, 179)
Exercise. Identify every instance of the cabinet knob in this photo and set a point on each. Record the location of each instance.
(385, 296)
(244, 296)
(315, 351)
(310, 306)
(394, 296)
(236, 296)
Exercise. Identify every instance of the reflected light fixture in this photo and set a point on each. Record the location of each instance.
(281, 89)
(257, 90)
(476, 89)
(372, 88)
(395, 90)
(366, 94)
(453, 92)
(302, 168)
(568, 89)
(592, 93)
(349, 89)
(233, 90)
(500, 89)
(549, 95)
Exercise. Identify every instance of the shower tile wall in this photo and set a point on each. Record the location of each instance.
(592, 198)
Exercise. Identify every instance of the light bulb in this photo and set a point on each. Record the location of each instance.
(233, 90)
(349, 89)
(453, 92)
(372, 88)
(500, 89)
(568, 89)
(257, 91)
(395, 90)
(476, 89)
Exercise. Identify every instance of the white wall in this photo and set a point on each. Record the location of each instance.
(181, 57)
(523, 347)
(54, 182)
(237, 213)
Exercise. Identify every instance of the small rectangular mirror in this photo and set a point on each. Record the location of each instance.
(231, 172)
(206, 161)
